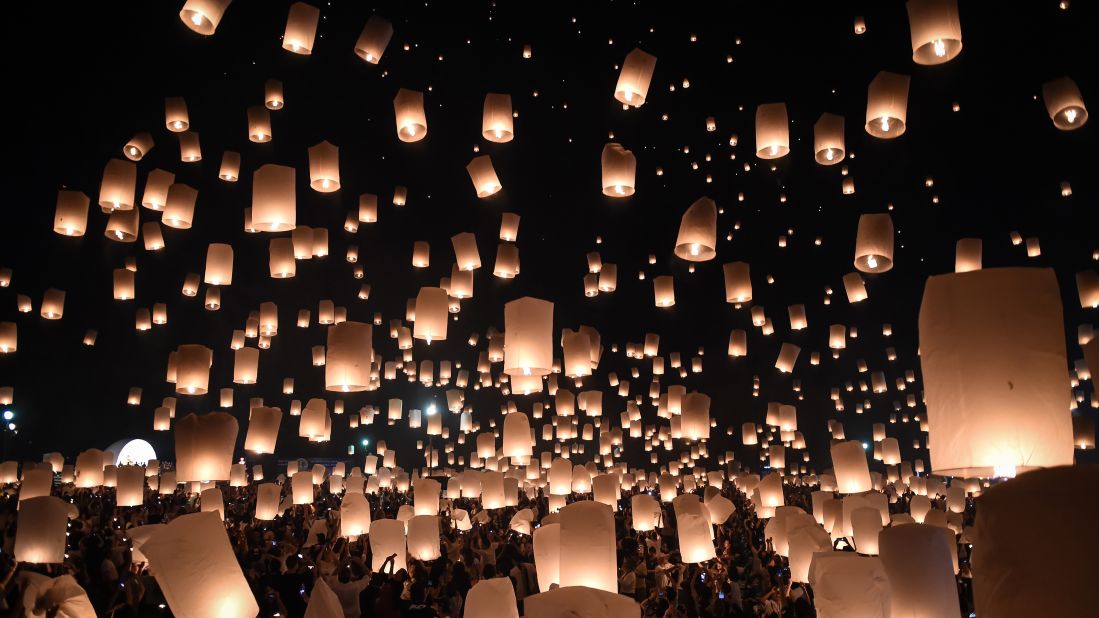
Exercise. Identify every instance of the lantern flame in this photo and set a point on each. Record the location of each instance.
(1070, 115)
(940, 47)
(196, 18)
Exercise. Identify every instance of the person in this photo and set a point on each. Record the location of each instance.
(294, 585)
(347, 589)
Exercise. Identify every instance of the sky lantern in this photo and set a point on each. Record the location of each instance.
(324, 168)
(967, 255)
(697, 238)
(664, 291)
(588, 546)
(272, 95)
(230, 166)
(116, 190)
(483, 176)
(772, 131)
(887, 105)
(634, 79)
(497, 122)
(408, 106)
(1064, 103)
(936, 30)
(71, 213)
(528, 323)
(992, 352)
(204, 446)
(374, 39)
(179, 208)
(301, 28)
(431, 315)
(138, 146)
(874, 243)
(347, 365)
(828, 142)
(42, 530)
(917, 560)
(219, 264)
(156, 189)
(263, 430)
(619, 170)
(176, 118)
(274, 203)
(259, 124)
(193, 369)
(203, 16)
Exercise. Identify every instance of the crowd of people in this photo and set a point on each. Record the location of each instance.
(283, 559)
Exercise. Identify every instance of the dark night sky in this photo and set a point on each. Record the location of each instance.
(83, 79)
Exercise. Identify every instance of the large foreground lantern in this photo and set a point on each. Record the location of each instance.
(408, 106)
(203, 16)
(196, 569)
(491, 598)
(347, 364)
(1064, 103)
(431, 314)
(936, 30)
(887, 105)
(387, 537)
(634, 79)
(619, 170)
(423, 537)
(852, 471)
(846, 585)
(42, 531)
(374, 39)
(697, 238)
(588, 546)
(874, 243)
(1011, 562)
(580, 601)
(301, 28)
(772, 131)
(693, 527)
(204, 446)
(263, 430)
(528, 326)
(992, 351)
(547, 554)
(917, 560)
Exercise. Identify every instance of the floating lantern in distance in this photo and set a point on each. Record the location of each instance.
(994, 339)
(431, 315)
(274, 203)
(587, 546)
(263, 430)
(772, 131)
(324, 168)
(497, 123)
(272, 94)
(374, 39)
(259, 124)
(175, 114)
(887, 105)
(53, 303)
(408, 106)
(483, 176)
(634, 79)
(854, 287)
(190, 149)
(301, 28)
(509, 226)
(203, 16)
(936, 30)
(967, 255)
(71, 213)
(828, 141)
(697, 238)
(1087, 286)
(619, 170)
(664, 291)
(230, 166)
(138, 146)
(874, 243)
(1064, 103)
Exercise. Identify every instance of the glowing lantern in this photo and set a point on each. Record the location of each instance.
(374, 39)
(387, 537)
(431, 315)
(138, 146)
(694, 529)
(509, 226)
(204, 446)
(588, 546)
(887, 105)
(619, 170)
(274, 203)
(230, 166)
(517, 438)
(324, 167)
(697, 238)
(772, 131)
(787, 356)
(347, 366)
(193, 370)
(175, 114)
(496, 125)
(116, 190)
(203, 16)
(993, 356)
(1065, 104)
(196, 569)
(848, 585)
(156, 189)
(528, 323)
(854, 287)
(547, 554)
(42, 530)
(219, 264)
(936, 30)
(917, 560)
(874, 243)
(483, 176)
(634, 79)
(491, 598)
(263, 430)
(664, 291)
(1087, 285)
(301, 28)
(272, 95)
(408, 106)
(259, 124)
(967, 255)
(179, 209)
(828, 142)
(190, 149)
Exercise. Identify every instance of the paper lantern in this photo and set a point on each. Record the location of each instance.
(772, 131)
(196, 569)
(408, 106)
(42, 530)
(193, 369)
(846, 585)
(1064, 103)
(274, 204)
(302, 488)
(695, 419)
(466, 255)
(528, 323)
(697, 238)
(71, 213)
(483, 175)
(693, 528)
(887, 105)
(619, 170)
(851, 469)
(787, 356)
(259, 124)
(1087, 286)
(131, 485)
(874, 243)
(921, 576)
(828, 142)
(204, 446)
(423, 537)
(374, 39)
(634, 79)
(267, 501)
(509, 227)
(190, 149)
(580, 601)
(116, 190)
(281, 262)
(263, 430)
(347, 366)
(993, 339)
(517, 437)
(301, 28)
(8, 338)
(770, 490)
(547, 554)
(854, 288)
(865, 527)
(496, 124)
(588, 546)
(664, 291)
(179, 209)
(272, 95)
(6, 392)
(219, 264)
(936, 30)
(967, 256)
(230, 166)
(491, 598)
(431, 315)
(203, 16)
(176, 118)
(1011, 568)
(387, 536)
(324, 167)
